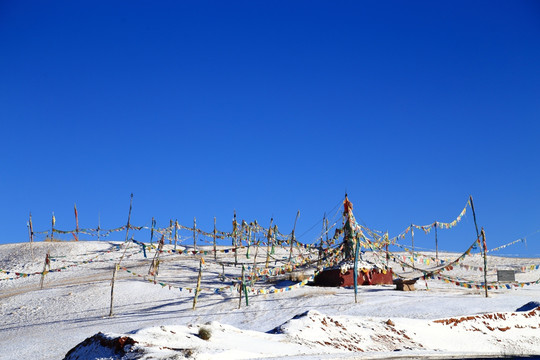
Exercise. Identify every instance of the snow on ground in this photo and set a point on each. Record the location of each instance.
(313, 334)
(307, 322)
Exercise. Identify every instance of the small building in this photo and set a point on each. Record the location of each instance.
(337, 277)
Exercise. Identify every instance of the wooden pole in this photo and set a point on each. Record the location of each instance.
(387, 256)
(436, 243)
(478, 234)
(244, 287)
(248, 241)
(98, 226)
(321, 244)
(152, 231)
(154, 266)
(412, 237)
(214, 238)
(194, 233)
(169, 232)
(53, 221)
(241, 288)
(356, 251)
(129, 217)
(30, 229)
(46, 264)
(76, 222)
(175, 233)
(234, 239)
(326, 231)
(117, 266)
(268, 245)
(274, 239)
(31, 235)
(292, 236)
(198, 288)
(343, 215)
(256, 252)
(112, 289)
(484, 246)
(244, 234)
(474, 216)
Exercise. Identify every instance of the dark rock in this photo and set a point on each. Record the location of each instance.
(100, 344)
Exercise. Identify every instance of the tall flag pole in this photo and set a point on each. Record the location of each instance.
(53, 222)
(76, 223)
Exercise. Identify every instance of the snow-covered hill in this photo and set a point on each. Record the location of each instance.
(157, 320)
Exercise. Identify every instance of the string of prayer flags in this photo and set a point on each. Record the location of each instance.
(441, 225)
(446, 267)
(506, 245)
(481, 285)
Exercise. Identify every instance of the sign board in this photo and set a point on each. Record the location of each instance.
(506, 275)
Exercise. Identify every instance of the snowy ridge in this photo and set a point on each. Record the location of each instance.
(316, 334)
(346, 333)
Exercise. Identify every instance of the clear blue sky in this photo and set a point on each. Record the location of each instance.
(203, 107)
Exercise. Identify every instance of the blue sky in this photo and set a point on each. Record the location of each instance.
(201, 108)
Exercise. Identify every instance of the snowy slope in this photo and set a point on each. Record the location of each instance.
(314, 334)
(74, 305)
